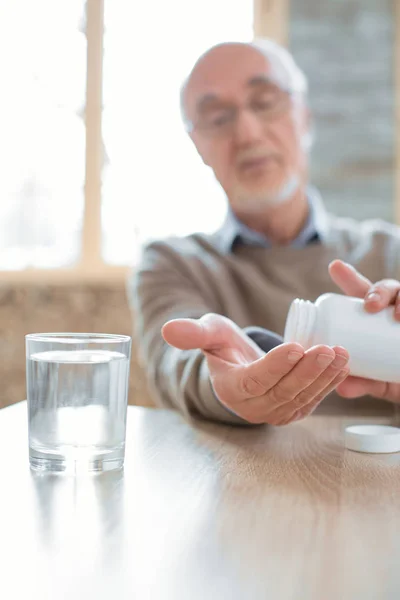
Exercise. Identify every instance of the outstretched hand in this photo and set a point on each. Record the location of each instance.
(284, 385)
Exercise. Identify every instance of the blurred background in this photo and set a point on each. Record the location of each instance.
(95, 160)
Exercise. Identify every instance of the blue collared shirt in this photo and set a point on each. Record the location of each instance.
(233, 231)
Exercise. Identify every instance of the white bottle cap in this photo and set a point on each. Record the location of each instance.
(373, 438)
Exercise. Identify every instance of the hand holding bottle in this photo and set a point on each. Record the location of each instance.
(377, 297)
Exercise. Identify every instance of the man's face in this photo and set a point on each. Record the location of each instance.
(246, 128)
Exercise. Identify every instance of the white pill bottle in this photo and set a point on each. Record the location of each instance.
(372, 340)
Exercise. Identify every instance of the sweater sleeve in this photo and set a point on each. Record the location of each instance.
(160, 290)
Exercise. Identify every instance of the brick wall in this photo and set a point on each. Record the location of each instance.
(346, 47)
(77, 308)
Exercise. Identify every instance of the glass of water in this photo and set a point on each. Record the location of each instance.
(77, 385)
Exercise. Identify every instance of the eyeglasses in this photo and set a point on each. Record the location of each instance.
(219, 120)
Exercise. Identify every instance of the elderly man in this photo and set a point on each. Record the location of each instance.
(205, 305)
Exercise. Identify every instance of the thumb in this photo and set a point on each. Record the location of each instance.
(211, 333)
(184, 334)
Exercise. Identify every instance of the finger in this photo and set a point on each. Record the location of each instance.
(335, 373)
(306, 372)
(381, 295)
(291, 411)
(323, 383)
(281, 390)
(309, 408)
(240, 383)
(354, 387)
(350, 281)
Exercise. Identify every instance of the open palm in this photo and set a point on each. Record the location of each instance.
(281, 386)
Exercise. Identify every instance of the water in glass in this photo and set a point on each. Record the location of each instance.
(77, 409)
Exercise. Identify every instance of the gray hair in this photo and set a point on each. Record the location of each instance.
(284, 71)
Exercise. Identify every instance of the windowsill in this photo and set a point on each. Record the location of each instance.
(80, 274)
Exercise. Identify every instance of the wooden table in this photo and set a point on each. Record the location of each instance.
(204, 512)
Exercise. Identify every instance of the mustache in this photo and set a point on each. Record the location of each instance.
(250, 154)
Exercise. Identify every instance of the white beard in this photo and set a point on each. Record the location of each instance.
(255, 204)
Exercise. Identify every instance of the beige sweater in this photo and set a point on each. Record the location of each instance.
(191, 276)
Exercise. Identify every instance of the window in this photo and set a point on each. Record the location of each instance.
(52, 184)
(42, 141)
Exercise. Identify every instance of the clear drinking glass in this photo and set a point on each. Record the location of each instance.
(77, 385)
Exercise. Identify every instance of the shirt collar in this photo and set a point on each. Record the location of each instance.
(233, 231)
